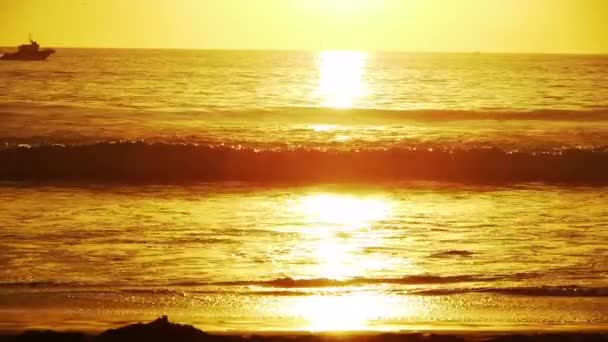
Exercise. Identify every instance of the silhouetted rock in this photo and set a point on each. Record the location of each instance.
(158, 330)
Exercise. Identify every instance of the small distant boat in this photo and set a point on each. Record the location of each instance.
(28, 52)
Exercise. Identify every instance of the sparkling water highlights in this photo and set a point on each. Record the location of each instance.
(323, 99)
(310, 191)
(236, 256)
(341, 78)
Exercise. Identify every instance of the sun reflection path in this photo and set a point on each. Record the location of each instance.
(352, 312)
(341, 79)
(339, 231)
(350, 211)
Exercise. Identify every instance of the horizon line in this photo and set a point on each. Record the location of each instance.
(490, 52)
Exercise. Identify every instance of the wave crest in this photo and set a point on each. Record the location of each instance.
(168, 163)
(538, 291)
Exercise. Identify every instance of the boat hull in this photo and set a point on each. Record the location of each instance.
(18, 56)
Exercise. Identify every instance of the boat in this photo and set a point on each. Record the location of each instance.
(28, 52)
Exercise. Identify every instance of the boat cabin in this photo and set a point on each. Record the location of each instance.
(29, 48)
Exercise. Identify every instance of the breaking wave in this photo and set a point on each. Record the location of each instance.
(170, 163)
(535, 291)
(325, 282)
(415, 286)
(592, 114)
(288, 282)
(315, 114)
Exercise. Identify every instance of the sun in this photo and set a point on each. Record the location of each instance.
(344, 3)
(338, 8)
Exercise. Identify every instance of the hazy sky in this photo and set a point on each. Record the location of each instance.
(576, 26)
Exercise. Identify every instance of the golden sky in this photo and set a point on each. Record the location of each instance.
(571, 26)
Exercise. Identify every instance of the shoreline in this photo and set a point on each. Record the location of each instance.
(162, 329)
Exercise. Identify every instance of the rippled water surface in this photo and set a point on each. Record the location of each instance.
(194, 80)
(398, 250)
(163, 236)
(375, 190)
(293, 98)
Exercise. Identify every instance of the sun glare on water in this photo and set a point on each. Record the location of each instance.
(339, 230)
(336, 225)
(344, 312)
(351, 212)
(341, 79)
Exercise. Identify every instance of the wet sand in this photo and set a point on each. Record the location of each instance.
(164, 330)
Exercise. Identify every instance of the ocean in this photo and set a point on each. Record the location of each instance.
(304, 191)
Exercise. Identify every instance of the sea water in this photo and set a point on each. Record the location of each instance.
(336, 190)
